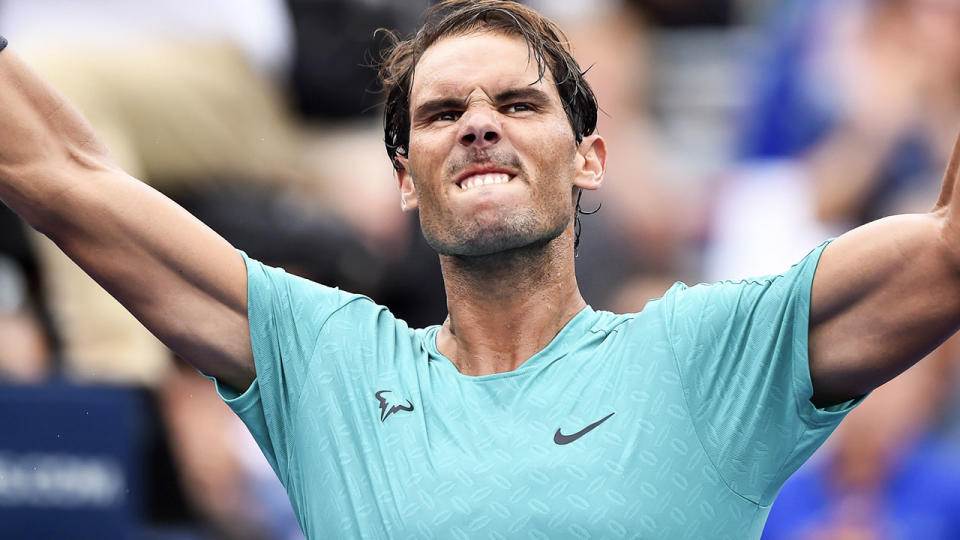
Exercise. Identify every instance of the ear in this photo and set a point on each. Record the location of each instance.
(590, 162)
(408, 191)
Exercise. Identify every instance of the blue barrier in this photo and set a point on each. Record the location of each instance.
(70, 461)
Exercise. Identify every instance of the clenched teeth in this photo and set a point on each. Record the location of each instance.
(483, 180)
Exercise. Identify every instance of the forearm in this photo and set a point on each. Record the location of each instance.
(58, 176)
(947, 207)
(179, 278)
(46, 146)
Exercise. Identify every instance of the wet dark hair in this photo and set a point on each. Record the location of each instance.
(546, 42)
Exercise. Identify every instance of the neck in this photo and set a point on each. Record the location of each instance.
(504, 308)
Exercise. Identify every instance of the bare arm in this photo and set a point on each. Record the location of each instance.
(884, 296)
(179, 278)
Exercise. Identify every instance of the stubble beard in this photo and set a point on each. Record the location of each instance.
(507, 233)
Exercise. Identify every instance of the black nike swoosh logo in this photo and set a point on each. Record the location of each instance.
(560, 438)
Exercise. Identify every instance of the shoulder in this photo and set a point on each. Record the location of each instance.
(292, 303)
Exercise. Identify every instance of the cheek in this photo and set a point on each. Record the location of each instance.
(555, 143)
(547, 155)
(558, 162)
(419, 170)
(427, 158)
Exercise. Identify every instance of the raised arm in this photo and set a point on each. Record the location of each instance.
(885, 295)
(185, 283)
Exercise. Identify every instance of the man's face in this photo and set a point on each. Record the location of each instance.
(492, 160)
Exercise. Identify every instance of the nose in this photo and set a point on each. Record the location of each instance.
(479, 130)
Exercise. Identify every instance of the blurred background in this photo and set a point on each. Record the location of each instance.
(742, 133)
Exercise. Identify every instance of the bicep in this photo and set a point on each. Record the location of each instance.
(884, 295)
(184, 282)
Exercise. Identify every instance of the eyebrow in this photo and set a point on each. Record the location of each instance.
(523, 94)
(434, 106)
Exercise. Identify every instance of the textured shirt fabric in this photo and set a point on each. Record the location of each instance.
(375, 434)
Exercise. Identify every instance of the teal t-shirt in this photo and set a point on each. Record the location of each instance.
(681, 421)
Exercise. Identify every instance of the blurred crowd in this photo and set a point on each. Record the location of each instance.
(741, 134)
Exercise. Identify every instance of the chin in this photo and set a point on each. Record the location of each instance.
(477, 241)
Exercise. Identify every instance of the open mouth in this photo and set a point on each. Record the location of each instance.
(485, 179)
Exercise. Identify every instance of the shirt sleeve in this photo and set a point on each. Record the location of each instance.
(741, 351)
(286, 315)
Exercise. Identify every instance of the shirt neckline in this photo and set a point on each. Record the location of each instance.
(559, 346)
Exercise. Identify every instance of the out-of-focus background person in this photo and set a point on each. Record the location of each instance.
(742, 133)
(888, 471)
(853, 111)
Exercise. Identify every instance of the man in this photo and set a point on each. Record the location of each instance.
(526, 413)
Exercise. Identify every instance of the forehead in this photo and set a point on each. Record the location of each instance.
(491, 61)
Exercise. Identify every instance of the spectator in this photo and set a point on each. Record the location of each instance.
(24, 350)
(854, 120)
(885, 473)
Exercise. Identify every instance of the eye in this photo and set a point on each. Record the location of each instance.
(447, 116)
(514, 108)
